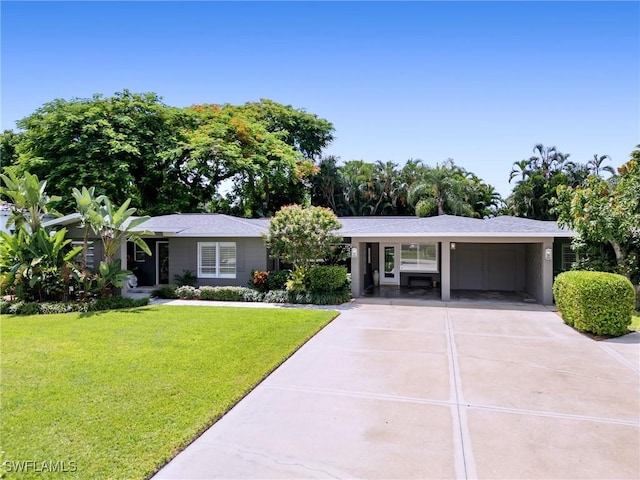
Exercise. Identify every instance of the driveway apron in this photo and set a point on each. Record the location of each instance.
(443, 391)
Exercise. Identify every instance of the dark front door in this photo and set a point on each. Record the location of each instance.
(163, 262)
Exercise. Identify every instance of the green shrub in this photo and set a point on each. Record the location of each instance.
(187, 292)
(165, 291)
(277, 280)
(224, 294)
(331, 298)
(35, 308)
(251, 295)
(595, 302)
(114, 303)
(276, 296)
(66, 307)
(24, 308)
(327, 278)
(187, 278)
(4, 307)
(298, 280)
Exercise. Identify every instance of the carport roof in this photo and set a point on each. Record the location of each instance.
(450, 225)
(218, 225)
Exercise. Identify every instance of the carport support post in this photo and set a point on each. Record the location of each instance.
(445, 271)
(356, 269)
(547, 273)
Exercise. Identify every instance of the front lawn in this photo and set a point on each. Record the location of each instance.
(118, 394)
(635, 322)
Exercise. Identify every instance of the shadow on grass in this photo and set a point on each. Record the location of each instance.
(136, 310)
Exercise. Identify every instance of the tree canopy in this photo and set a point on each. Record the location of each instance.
(249, 159)
(606, 211)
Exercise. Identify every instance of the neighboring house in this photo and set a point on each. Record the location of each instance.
(452, 253)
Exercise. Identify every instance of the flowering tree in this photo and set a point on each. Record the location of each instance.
(303, 236)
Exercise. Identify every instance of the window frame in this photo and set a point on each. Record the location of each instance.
(434, 269)
(218, 264)
(564, 250)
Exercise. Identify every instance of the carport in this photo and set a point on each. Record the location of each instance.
(502, 254)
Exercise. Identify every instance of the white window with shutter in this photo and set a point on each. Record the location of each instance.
(216, 260)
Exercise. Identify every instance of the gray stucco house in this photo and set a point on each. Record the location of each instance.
(449, 252)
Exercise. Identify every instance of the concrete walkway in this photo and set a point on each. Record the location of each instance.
(445, 391)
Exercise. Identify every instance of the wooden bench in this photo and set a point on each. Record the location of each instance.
(421, 280)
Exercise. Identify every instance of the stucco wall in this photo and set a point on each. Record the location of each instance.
(251, 254)
(534, 259)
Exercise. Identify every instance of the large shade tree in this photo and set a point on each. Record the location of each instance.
(250, 159)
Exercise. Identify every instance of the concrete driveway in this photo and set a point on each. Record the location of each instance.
(448, 391)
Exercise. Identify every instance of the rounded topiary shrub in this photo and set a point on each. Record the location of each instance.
(595, 302)
(327, 278)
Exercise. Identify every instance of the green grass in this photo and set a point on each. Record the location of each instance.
(635, 322)
(120, 393)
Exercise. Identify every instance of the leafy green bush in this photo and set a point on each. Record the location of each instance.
(114, 303)
(165, 291)
(63, 307)
(327, 278)
(331, 298)
(596, 302)
(251, 295)
(298, 280)
(187, 292)
(35, 308)
(277, 280)
(187, 278)
(276, 296)
(225, 294)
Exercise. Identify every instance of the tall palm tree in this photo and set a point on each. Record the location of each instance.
(441, 192)
(548, 160)
(595, 165)
(520, 168)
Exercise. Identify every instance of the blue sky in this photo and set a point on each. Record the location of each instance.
(479, 82)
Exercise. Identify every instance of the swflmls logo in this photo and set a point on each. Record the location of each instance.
(39, 467)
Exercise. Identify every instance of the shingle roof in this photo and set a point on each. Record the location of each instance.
(206, 225)
(448, 225)
(218, 225)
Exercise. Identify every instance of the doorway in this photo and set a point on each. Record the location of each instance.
(162, 263)
(390, 274)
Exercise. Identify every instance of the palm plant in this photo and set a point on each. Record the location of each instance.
(438, 192)
(30, 200)
(595, 166)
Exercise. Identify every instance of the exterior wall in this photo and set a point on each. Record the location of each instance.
(489, 266)
(251, 254)
(534, 258)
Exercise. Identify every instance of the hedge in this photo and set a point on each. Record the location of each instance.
(327, 278)
(101, 304)
(595, 302)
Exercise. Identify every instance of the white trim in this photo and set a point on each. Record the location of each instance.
(217, 246)
(395, 279)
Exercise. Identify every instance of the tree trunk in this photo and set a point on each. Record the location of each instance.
(620, 255)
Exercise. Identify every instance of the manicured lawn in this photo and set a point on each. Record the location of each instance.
(635, 322)
(120, 393)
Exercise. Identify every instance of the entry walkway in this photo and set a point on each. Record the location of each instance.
(463, 391)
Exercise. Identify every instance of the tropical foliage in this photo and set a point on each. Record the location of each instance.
(606, 213)
(40, 264)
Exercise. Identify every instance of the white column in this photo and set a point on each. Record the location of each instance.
(445, 267)
(547, 273)
(356, 271)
